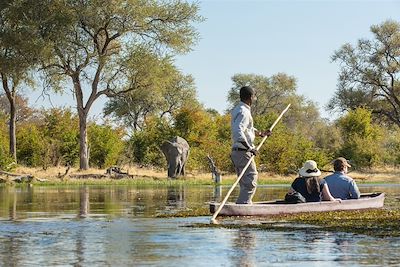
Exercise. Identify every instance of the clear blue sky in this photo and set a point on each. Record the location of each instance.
(267, 37)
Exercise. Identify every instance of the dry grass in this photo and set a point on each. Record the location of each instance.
(379, 175)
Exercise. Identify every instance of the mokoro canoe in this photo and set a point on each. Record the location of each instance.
(366, 201)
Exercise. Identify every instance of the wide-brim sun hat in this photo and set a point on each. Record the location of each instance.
(309, 169)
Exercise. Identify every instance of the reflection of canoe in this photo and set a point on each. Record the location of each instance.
(367, 201)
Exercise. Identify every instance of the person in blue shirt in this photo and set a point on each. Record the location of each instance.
(340, 184)
(309, 185)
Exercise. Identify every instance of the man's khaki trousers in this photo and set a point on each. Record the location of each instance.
(248, 183)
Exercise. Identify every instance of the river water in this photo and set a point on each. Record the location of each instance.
(118, 226)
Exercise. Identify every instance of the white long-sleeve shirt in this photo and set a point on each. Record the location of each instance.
(242, 126)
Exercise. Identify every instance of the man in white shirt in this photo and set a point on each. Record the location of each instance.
(243, 135)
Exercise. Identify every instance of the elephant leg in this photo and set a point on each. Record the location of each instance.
(179, 169)
(183, 169)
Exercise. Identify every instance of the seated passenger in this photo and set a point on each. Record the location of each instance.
(341, 185)
(309, 185)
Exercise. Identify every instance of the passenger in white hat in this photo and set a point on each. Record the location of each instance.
(309, 185)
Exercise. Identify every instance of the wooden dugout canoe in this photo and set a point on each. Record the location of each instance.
(366, 201)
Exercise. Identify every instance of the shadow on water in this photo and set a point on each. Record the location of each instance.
(116, 225)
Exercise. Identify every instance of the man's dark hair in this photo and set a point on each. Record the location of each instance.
(246, 92)
(340, 163)
(338, 166)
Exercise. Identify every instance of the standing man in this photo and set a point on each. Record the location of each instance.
(243, 135)
(340, 185)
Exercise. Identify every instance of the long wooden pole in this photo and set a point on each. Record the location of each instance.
(245, 168)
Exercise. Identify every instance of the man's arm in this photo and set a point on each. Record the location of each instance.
(354, 191)
(238, 126)
(263, 133)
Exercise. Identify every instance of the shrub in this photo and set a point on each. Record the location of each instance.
(106, 145)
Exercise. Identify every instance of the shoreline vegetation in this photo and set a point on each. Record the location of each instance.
(373, 222)
(151, 176)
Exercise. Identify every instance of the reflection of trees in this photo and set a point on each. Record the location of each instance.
(244, 243)
(80, 247)
(10, 249)
(83, 202)
(217, 193)
(13, 209)
(8, 200)
(176, 196)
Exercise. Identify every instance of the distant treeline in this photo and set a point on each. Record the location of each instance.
(125, 51)
(51, 138)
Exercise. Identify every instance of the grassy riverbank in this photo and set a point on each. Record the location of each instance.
(148, 176)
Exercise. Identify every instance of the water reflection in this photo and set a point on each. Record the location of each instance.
(13, 211)
(80, 248)
(12, 247)
(84, 202)
(217, 193)
(244, 243)
(176, 196)
(29, 202)
(115, 225)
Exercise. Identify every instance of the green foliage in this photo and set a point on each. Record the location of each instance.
(5, 159)
(106, 145)
(369, 75)
(144, 146)
(61, 133)
(362, 139)
(391, 146)
(32, 149)
(170, 90)
(115, 47)
(272, 92)
(285, 152)
(207, 134)
(51, 140)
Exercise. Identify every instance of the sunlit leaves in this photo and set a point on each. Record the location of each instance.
(369, 74)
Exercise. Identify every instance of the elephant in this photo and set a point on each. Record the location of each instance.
(176, 152)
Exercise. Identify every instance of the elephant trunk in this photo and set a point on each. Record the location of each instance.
(171, 171)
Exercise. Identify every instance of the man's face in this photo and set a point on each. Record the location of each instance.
(252, 99)
(345, 169)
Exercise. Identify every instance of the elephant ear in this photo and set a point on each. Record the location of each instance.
(166, 146)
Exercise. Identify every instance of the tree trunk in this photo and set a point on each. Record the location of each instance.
(83, 143)
(10, 93)
(13, 139)
(82, 113)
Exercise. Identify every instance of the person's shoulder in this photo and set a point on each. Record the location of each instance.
(298, 179)
(330, 176)
(348, 178)
(239, 108)
(243, 108)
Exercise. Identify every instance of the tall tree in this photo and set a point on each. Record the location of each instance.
(271, 92)
(18, 55)
(102, 46)
(23, 111)
(369, 75)
(170, 91)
